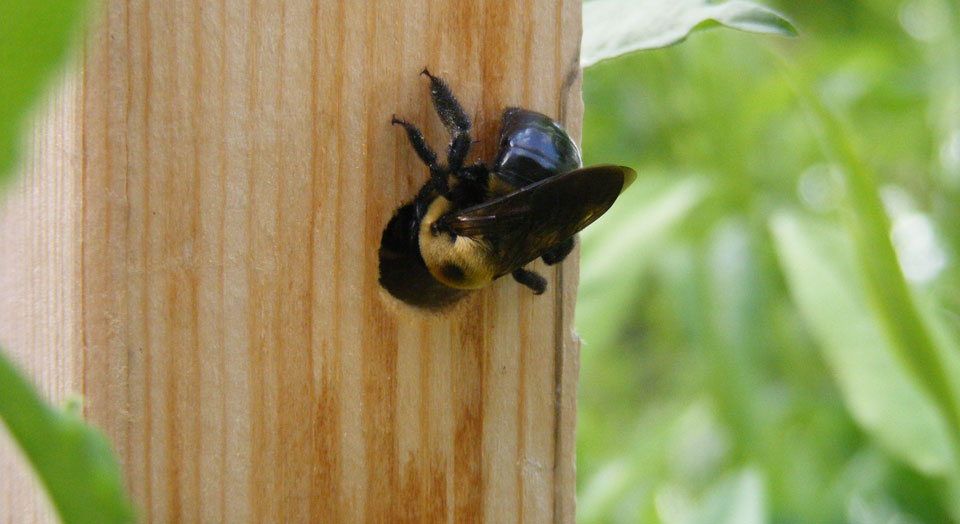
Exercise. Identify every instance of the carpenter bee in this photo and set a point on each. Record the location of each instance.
(472, 223)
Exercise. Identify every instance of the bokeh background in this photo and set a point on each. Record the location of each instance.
(735, 366)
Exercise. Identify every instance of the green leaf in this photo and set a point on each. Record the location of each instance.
(72, 459)
(617, 245)
(819, 264)
(619, 481)
(615, 27)
(919, 350)
(34, 40)
(735, 499)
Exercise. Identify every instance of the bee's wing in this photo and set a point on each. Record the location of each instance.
(523, 225)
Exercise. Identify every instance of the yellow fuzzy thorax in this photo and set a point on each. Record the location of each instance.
(456, 261)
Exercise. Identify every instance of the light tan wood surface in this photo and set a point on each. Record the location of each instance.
(192, 246)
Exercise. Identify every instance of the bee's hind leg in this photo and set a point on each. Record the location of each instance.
(530, 279)
(559, 252)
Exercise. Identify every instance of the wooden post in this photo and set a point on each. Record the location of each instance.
(193, 248)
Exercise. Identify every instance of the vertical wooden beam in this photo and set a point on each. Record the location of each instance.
(194, 249)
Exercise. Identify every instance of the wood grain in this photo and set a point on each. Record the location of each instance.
(193, 247)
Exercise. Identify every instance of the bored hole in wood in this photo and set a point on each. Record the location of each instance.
(402, 270)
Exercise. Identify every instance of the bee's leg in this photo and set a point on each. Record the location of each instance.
(530, 279)
(559, 252)
(437, 173)
(418, 142)
(454, 119)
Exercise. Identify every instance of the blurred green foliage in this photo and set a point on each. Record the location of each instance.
(73, 460)
(770, 315)
(35, 37)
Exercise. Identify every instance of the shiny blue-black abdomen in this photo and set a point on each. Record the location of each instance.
(533, 147)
